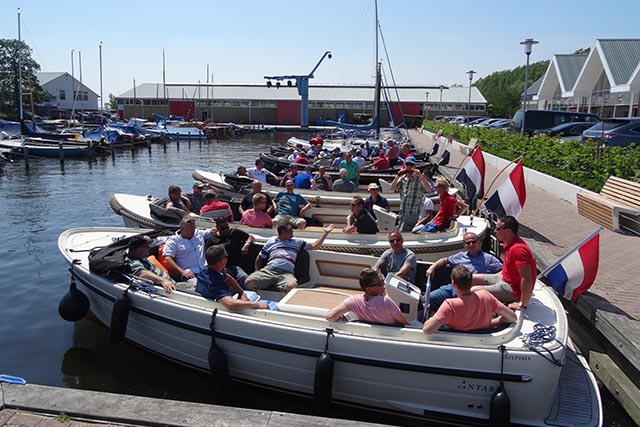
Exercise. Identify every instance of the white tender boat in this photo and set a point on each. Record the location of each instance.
(449, 375)
(143, 211)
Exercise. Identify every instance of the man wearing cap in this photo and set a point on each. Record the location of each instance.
(375, 199)
(197, 196)
(140, 266)
(360, 220)
(304, 179)
(184, 251)
(215, 208)
(411, 184)
(260, 173)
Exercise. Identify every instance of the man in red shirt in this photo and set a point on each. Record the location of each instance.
(514, 285)
(380, 163)
(449, 205)
(215, 208)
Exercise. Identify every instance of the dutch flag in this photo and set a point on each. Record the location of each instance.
(436, 143)
(446, 154)
(576, 271)
(472, 177)
(509, 198)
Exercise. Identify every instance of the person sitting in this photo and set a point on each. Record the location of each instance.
(343, 184)
(470, 310)
(304, 179)
(293, 171)
(375, 199)
(473, 258)
(247, 201)
(236, 242)
(322, 160)
(392, 152)
(184, 251)
(136, 259)
(336, 159)
(360, 220)
(359, 159)
(373, 305)
(449, 207)
(242, 171)
(256, 217)
(177, 202)
(302, 159)
(259, 172)
(293, 156)
(352, 168)
(291, 207)
(215, 283)
(281, 253)
(426, 213)
(215, 208)
(379, 163)
(197, 196)
(397, 259)
(322, 180)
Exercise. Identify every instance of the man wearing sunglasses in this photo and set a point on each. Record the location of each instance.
(473, 258)
(360, 220)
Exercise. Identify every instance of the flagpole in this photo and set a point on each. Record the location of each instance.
(569, 252)
(488, 191)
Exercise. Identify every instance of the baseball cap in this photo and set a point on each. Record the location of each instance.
(373, 186)
(410, 160)
(199, 184)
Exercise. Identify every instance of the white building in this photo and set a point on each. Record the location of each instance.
(61, 87)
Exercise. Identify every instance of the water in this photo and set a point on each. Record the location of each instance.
(36, 205)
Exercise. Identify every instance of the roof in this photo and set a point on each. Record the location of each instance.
(622, 57)
(44, 78)
(568, 67)
(259, 91)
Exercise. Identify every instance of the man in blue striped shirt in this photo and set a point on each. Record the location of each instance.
(281, 253)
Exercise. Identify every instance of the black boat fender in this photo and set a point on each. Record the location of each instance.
(218, 364)
(323, 382)
(74, 305)
(120, 318)
(500, 405)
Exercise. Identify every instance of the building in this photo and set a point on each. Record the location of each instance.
(61, 87)
(605, 82)
(259, 104)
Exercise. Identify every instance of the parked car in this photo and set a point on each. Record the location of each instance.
(615, 132)
(545, 119)
(503, 124)
(566, 131)
(489, 122)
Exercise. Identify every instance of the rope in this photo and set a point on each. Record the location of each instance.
(541, 335)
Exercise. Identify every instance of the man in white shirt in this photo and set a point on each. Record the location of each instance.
(185, 251)
(259, 173)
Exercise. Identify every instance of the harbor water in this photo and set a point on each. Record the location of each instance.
(39, 203)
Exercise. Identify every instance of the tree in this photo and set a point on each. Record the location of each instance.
(112, 104)
(11, 51)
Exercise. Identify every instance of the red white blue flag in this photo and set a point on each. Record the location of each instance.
(472, 177)
(436, 143)
(576, 271)
(446, 154)
(509, 198)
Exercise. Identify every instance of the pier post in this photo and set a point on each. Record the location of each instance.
(61, 151)
(25, 153)
(189, 138)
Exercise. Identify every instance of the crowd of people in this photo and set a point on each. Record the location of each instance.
(483, 291)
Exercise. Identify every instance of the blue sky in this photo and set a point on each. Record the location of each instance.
(429, 42)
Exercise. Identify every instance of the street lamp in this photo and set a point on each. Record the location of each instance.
(441, 88)
(470, 73)
(426, 105)
(528, 43)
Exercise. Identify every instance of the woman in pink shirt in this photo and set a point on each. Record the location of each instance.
(256, 217)
(373, 306)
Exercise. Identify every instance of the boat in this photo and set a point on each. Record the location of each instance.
(147, 211)
(39, 147)
(450, 376)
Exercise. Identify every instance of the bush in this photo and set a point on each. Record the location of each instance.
(581, 164)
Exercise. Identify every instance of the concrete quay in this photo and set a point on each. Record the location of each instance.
(604, 319)
(42, 406)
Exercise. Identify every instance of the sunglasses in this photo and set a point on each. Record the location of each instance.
(395, 240)
(354, 204)
(378, 283)
(470, 242)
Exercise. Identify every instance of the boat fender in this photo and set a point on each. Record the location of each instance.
(323, 382)
(120, 318)
(500, 405)
(218, 364)
(74, 305)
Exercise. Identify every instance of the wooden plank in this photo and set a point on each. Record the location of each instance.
(624, 334)
(617, 383)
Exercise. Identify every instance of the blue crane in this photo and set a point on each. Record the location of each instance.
(302, 83)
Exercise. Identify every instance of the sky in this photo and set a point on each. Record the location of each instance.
(427, 42)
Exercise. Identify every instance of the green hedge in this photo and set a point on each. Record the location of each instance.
(571, 161)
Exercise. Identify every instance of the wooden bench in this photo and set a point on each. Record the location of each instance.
(617, 207)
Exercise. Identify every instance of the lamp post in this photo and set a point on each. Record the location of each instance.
(441, 88)
(470, 73)
(426, 105)
(528, 43)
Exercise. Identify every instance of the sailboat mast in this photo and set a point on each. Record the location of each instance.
(20, 113)
(101, 98)
(376, 99)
